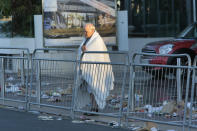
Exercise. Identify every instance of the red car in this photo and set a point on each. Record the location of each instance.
(184, 43)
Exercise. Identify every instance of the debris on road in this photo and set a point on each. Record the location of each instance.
(77, 121)
(45, 118)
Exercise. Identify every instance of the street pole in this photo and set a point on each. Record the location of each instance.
(194, 10)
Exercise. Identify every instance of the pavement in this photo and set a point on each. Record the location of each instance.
(14, 120)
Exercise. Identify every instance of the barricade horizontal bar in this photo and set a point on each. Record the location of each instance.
(53, 49)
(108, 63)
(109, 52)
(99, 113)
(168, 66)
(161, 122)
(6, 99)
(152, 54)
(14, 57)
(47, 59)
(47, 105)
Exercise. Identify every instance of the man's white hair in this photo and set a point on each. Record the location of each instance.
(90, 26)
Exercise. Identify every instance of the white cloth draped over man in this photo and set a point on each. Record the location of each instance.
(99, 78)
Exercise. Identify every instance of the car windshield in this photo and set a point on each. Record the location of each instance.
(190, 32)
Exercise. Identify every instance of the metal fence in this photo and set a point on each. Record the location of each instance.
(159, 92)
(155, 91)
(14, 72)
(192, 115)
(52, 78)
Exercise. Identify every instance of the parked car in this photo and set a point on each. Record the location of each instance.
(184, 43)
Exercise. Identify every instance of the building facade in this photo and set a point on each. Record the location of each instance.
(157, 18)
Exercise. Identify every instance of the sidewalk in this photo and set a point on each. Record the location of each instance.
(11, 120)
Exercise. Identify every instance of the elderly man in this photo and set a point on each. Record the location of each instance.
(96, 79)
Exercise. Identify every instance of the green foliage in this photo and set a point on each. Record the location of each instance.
(22, 12)
(5, 8)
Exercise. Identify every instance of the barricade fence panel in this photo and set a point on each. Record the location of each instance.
(152, 90)
(52, 84)
(52, 78)
(100, 87)
(14, 73)
(158, 91)
(15, 78)
(193, 101)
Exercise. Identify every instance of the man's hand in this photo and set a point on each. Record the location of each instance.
(83, 48)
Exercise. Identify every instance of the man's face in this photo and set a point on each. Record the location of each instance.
(88, 32)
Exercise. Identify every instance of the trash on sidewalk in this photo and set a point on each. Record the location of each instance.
(77, 121)
(45, 118)
(153, 109)
(67, 91)
(11, 88)
(150, 126)
(56, 94)
(10, 78)
(34, 112)
(20, 107)
(54, 99)
(89, 121)
(59, 118)
(84, 118)
(45, 96)
(136, 128)
(169, 107)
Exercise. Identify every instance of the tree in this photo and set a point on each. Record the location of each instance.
(5, 8)
(22, 12)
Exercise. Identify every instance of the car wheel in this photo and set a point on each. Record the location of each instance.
(184, 62)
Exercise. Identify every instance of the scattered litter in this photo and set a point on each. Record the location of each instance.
(77, 121)
(59, 118)
(54, 99)
(45, 118)
(194, 116)
(84, 118)
(44, 96)
(169, 107)
(125, 109)
(149, 115)
(9, 107)
(174, 114)
(89, 120)
(56, 94)
(12, 89)
(67, 91)
(153, 109)
(20, 107)
(10, 79)
(113, 124)
(153, 129)
(150, 126)
(135, 128)
(34, 112)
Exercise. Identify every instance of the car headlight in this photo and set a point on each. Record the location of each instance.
(165, 49)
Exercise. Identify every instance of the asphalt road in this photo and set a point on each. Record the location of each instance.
(11, 120)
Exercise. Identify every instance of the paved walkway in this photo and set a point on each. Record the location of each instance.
(11, 120)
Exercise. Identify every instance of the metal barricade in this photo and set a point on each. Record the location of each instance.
(52, 78)
(158, 91)
(14, 73)
(192, 106)
(100, 88)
